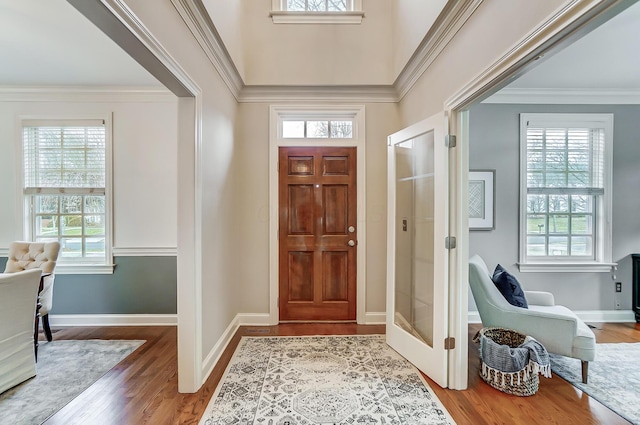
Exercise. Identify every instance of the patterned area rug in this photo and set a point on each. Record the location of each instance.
(614, 377)
(322, 380)
(64, 370)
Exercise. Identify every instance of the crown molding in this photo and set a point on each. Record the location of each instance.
(441, 33)
(361, 94)
(197, 19)
(565, 24)
(566, 96)
(85, 94)
(195, 16)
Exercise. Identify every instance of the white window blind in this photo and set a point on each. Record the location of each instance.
(65, 175)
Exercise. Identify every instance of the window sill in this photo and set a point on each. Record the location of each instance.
(592, 267)
(84, 268)
(283, 17)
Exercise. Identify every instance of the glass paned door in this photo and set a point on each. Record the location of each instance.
(417, 284)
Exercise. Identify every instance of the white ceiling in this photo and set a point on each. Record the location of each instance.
(48, 42)
(37, 50)
(606, 58)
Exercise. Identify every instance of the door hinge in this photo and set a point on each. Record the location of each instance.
(449, 343)
(450, 242)
(450, 141)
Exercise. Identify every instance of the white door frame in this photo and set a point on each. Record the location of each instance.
(569, 23)
(276, 112)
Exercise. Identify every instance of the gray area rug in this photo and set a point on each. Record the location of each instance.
(322, 380)
(614, 377)
(64, 370)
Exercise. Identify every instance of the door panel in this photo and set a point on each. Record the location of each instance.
(317, 208)
(417, 284)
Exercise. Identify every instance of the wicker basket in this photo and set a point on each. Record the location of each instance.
(522, 383)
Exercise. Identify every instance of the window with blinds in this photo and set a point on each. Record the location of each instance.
(65, 176)
(565, 172)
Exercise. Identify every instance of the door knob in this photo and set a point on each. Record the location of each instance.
(351, 243)
(351, 229)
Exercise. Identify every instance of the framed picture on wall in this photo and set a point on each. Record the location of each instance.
(481, 199)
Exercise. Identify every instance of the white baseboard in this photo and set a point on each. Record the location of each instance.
(375, 318)
(63, 320)
(474, 317)
(212, 358)
(241, 319)
(611, 316)
(250, 319)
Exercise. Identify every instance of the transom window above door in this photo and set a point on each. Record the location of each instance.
(317, 11)
(318, 125)
(317, 129)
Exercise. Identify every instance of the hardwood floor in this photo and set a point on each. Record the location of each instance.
(142, 389)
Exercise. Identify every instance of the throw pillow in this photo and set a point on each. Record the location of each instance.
(509, 287)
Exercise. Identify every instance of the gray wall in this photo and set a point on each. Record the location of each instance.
(138, 285)
(494, 144)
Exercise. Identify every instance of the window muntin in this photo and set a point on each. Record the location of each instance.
(316, 11)
(566, 179)
(65, 176)
(317, 5)
(317, 128)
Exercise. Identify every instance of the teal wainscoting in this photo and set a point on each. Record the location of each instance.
(138, 285)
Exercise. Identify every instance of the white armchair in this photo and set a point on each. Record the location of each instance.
(554, 326)
(41, 256)
(18, 298)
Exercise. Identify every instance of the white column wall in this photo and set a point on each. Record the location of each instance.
(220, 251)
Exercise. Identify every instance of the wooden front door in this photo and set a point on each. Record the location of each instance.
(317, 233)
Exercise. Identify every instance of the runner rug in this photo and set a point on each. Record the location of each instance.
(65, 368)
(614, 377)
(322, 380)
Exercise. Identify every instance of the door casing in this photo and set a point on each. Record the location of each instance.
(358, 141)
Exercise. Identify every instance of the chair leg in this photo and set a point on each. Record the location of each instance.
(585, 371)
(46, 327)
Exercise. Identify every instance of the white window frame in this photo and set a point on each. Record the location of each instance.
(280, 14)
(602, 247)
(84, 265)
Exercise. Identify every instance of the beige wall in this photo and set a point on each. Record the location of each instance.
(292, 54)
(220, 246)
(412, 20)
(227, 16)
(254, 208)
(494, 28)
(143, 148)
